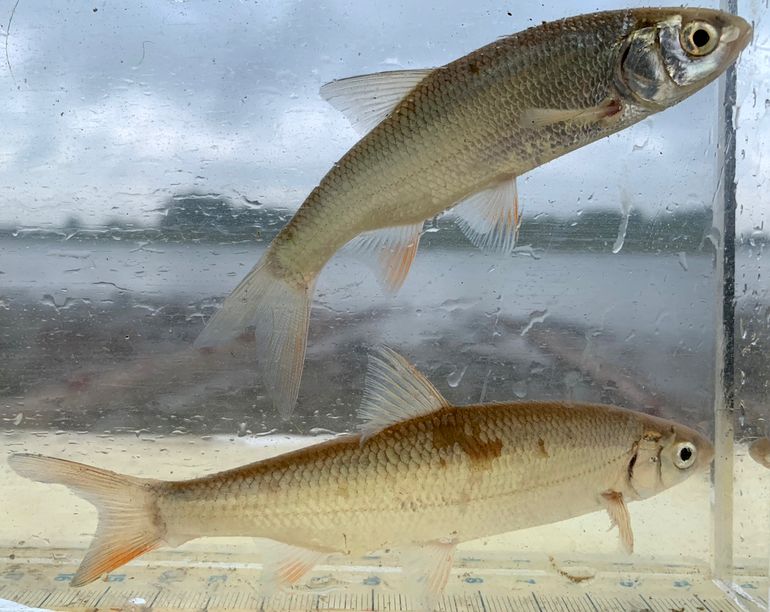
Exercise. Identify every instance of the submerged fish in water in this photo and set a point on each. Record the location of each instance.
(459, 136)
(420, 477)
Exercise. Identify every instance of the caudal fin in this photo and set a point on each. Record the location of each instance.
(129, 520)
(280, 313)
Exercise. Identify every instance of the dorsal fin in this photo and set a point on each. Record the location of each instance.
(395, 391)
(367, 99)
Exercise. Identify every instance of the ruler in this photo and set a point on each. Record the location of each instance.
(180, 583)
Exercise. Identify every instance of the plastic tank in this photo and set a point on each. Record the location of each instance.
(148, 155)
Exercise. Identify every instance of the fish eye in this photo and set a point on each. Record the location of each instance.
(684, 455)
(699, 38)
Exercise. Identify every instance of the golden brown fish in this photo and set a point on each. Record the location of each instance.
(420, 477)
(759, 451)
(458, 136)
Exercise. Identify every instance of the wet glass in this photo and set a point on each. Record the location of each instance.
(150, 153)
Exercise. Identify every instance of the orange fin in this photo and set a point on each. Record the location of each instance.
(490, 219)
(129, 523)
(426, 569)
(618, 511)
(395, 248)
(284, 565)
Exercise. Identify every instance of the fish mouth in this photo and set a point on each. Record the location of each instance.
(705, 453)
(738, 34)
(746, 37)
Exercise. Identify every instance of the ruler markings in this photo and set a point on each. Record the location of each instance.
(481, 602)
(646, 603)
(537, 603)
(493, 603)
(99, 599)
(369, 599)
(591, 601)
(703, 603)
(576, 605)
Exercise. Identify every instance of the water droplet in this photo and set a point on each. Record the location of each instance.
(714, 236)
(241, 430)
(625, 205)
(18, 419)
(520, 389)
(683, 260)
(572, 379)
(536, 368)
(322, 431)
(527, 251)
(454, 378)
(536, 316)
(643, 138)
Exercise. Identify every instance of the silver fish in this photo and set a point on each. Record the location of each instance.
(458, 136)
(420, 477)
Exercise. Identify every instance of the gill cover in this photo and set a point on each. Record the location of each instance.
(664, 63)
(664, 457)
(644, 469)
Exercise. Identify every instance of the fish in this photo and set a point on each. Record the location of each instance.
(759, 451)
(419, 476)
(457, 137)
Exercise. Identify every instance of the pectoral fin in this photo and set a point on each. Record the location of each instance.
(541, 117)
(284, 565)
(490, 218)
(394, 249)
(426, 571)
(618, 511)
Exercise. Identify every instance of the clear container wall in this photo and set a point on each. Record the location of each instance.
(150, 153)
(752, 301)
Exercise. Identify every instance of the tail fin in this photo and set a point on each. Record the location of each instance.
(129, 520)
(280, 313)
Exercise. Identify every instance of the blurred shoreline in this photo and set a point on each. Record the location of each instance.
(98, 336)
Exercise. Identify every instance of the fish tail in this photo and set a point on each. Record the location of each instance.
(129, 518)
(279, 310)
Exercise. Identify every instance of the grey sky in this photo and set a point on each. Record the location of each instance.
(114, 106)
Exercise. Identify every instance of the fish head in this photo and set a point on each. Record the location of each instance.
(666, 454)
(670, 54)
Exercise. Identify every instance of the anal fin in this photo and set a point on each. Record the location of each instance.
(618, 511)
(285, 565)
(490, 219)
(394, 248)
(426, 570)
